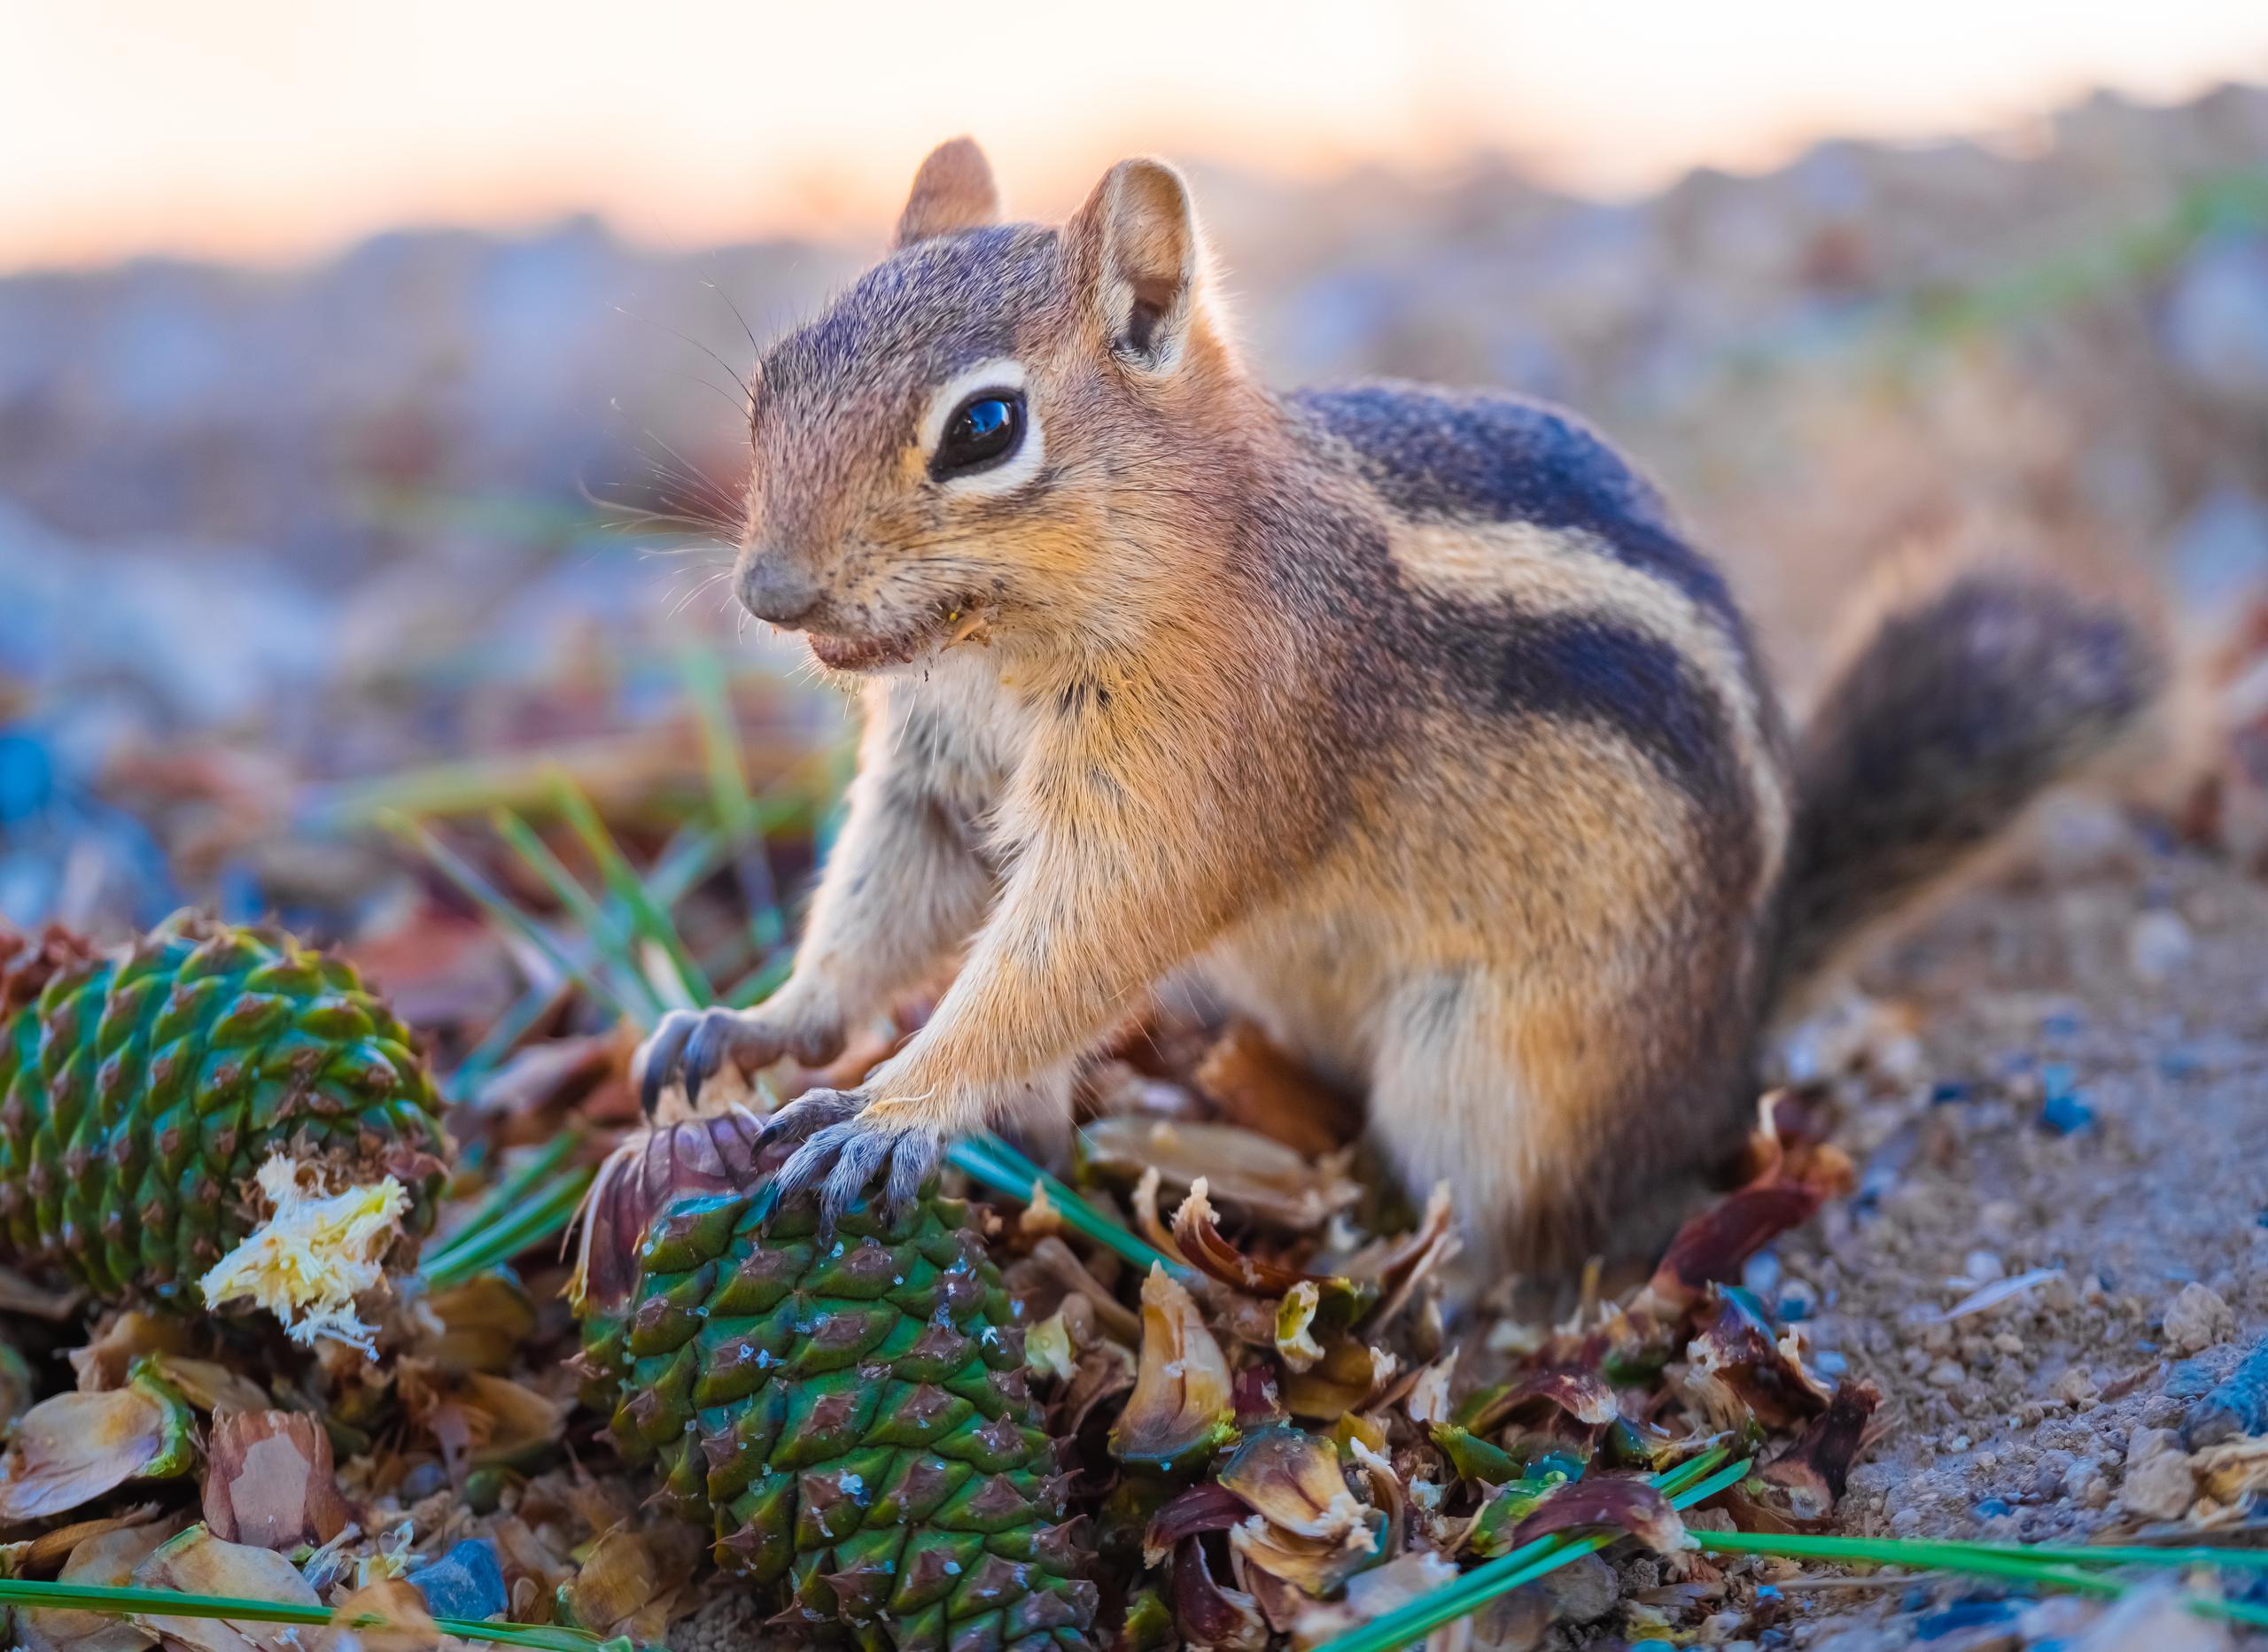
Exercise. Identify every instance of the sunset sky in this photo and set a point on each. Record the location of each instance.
(275, 130)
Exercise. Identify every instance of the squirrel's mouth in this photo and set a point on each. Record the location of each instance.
(951, 623)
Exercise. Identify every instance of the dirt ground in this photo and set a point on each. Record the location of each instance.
(2063, 1085)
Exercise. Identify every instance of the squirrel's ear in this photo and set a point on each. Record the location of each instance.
(953, 191)
(1141, 250)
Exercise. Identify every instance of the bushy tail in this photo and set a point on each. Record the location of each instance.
(1971, 693)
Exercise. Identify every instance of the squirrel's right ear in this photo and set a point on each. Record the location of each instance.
(953, 191)
(1139, 249)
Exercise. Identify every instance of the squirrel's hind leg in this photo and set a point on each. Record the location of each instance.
(1516, 1101)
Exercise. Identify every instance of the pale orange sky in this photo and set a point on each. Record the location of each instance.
(277, 129)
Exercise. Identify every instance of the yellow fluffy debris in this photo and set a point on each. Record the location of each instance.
(313, 1255)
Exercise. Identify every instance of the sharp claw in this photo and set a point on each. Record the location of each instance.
(861, 1154)
(705, 1051)
(661, 1052)
(916, 1156)
(804, 1166)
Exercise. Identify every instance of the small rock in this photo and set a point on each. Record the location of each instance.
(1984, 1266)
(2157, 945)
(2076, 1387)
(2155, 1617)
(2065, 1114)
(1947, 1374)
(2198, 1319)
(1906, 1520)
(2159, 1483)
(2085, 1483)
(467, 1582)
(1583, 1591)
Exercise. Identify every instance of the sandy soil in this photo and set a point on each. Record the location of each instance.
(2065, 1082)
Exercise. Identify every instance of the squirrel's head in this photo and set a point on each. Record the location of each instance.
(999, 429)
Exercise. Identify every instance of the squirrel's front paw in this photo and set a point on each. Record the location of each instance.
(850, 1147)
(690, 1046)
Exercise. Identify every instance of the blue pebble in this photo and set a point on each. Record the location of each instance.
(1992, 1507)
(1968, 1614)
(2187, 1379)
(2063, 1024)
(1793, 1308)
(467, 1582)
(1950, 1089)
(2066, 1114)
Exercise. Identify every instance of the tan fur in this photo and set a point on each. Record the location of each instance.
(1558, 569)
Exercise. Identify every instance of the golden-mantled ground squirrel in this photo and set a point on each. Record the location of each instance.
(1404, 720)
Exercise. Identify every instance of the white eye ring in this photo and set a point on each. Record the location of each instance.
(1001, 373)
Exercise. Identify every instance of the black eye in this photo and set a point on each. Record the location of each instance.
(984, 430)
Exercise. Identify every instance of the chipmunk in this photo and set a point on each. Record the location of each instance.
(1404, 720)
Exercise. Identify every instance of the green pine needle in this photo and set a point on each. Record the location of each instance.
(647, 917)
(511, 1191)
(988, 1160)
(610, 940)
(728, 790)
(127, 1602)
(2048, 1566)
(540, 1216)
(502, 912)
(1687, 1484)
(2044, 1566)
(691, 857)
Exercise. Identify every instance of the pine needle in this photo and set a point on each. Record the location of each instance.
(608, 938)
(993, 1162)
(500, 911)
(2045, 1565)
(538, 1217)
(128, 1602)
(1685, 1485)
(728, 791)
(511, 1191)
(646, 915)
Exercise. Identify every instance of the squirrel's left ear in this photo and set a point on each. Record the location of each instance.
(1144, 257)
(953, 191)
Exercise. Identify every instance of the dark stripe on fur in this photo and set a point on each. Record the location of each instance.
(1435, 455)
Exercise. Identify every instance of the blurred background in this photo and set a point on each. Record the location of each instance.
(368, 374)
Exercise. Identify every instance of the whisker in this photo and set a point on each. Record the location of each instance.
(688, 600)
(737, 316)
(697, 344)
(694, 475)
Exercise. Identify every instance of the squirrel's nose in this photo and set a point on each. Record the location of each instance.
(776, 590)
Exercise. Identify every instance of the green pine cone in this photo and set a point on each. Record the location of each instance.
(140, 1094)
(848, 1418)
